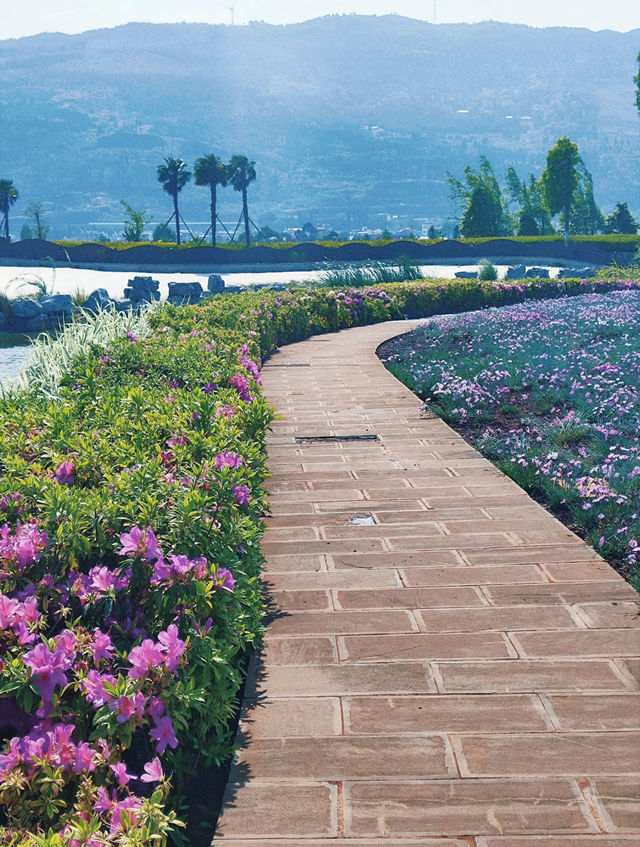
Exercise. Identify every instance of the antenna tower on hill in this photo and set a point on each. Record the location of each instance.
(232, 9)
(435, 11)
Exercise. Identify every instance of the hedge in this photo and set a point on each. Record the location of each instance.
(131, 507)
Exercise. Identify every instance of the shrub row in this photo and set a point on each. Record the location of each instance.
(131, 506)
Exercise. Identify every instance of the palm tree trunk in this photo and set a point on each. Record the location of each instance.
(213, 214)
(566, 227)
(177, 214)
(245, 212)
(6, 222)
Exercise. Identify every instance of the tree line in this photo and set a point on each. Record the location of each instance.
(564, 189)
(173, 174)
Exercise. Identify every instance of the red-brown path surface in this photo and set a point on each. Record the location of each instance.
(463, 672)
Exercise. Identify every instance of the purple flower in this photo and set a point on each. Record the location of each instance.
(148, 655)
(241, 494)
(102, 581)
(64, 474)
(84, 758)
(94, 689)
(209, 387)
(120, 770)
(173, 646)
(225, 579)
(163, 735)
(140, 542)
(102, 646)
(130, 707)
(48, 669)
(228, 459)
(152, 771)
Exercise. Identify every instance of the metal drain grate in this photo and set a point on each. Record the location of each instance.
(309, 439)
(290, 366)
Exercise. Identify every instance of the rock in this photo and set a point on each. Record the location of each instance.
(215, 284)
(466, 274)
(97, 300)
(57, 305)
(143, 283)
(184, 292)
(537, 273)
(576, 273)
(516, 272)
(138, 295)
(24, 309)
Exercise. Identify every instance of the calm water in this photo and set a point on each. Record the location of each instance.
(12, 359)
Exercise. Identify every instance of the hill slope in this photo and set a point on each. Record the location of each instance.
(346, 116)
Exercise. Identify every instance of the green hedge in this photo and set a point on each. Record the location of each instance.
(131, 504)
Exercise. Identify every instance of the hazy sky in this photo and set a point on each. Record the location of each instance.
(28, 17)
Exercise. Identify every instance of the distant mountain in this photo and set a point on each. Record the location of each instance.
(347, 117)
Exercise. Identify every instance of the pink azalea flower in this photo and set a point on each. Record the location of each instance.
(174, 647)
(163, 735)
(84, 758)
(144, 657)
(103, 803)
(152, 771)
(139, 542)
(128, 707)
(120, 770)
(64, 474)
(94, 690)
(156, 709)
(225, 579)
(103, 581)
(241, 494)
(48, 669)
(102, 646)
(130, 805)
(232, 460)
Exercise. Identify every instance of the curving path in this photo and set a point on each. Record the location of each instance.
(453, 668)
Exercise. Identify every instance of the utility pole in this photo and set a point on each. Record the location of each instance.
(435, 11)
(232, 9)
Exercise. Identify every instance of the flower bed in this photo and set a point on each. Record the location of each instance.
(130, 523)
(551, 393)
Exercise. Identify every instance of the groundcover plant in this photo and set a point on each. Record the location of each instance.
(131, 505)
(550, 391)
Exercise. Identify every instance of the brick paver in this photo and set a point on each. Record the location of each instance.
(447, 664)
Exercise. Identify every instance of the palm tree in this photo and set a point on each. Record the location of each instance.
(174, 176)
(241, 173)
(211, 171)
(8, 196)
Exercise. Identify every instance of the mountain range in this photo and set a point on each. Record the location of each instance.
(350, 119)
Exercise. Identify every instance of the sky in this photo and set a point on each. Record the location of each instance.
(29, 17)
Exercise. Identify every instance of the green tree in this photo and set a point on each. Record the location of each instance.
(211, 171)
(163, 232)
(134, 223)
(621, 220)
(38, 227)
(586, 217)
(8, 196)
(241, 174)
(532, 217)
(485, 212)
(636, 79)
(560, 179)
(173, 176)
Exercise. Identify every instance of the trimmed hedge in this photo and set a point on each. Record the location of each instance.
(131, 506)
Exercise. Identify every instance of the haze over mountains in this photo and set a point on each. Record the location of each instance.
(349, 118)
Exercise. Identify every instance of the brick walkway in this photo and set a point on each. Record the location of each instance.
(462, 672)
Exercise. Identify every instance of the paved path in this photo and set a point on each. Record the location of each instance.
(463, 672)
